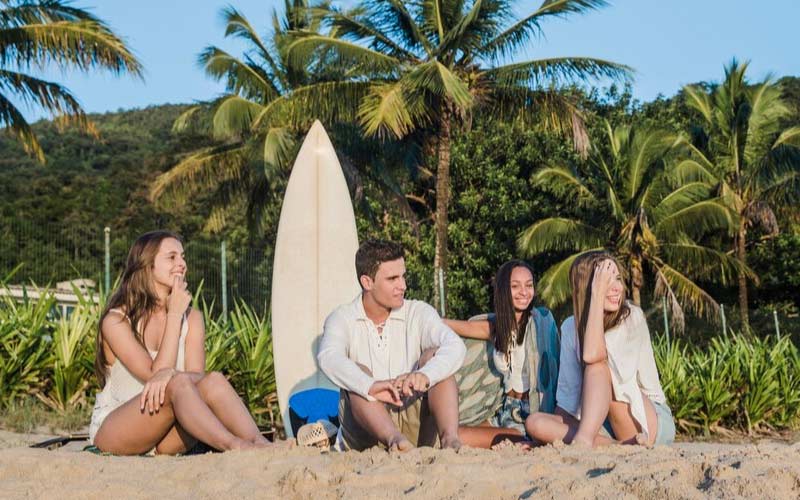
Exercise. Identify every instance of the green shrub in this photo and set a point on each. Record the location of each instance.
(738, 382)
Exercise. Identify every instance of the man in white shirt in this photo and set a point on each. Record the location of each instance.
(393, 359)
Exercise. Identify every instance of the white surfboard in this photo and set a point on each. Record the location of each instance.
(314, 267)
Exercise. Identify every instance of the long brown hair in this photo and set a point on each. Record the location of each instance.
(581, 275)
(135, 295)
(505, 320)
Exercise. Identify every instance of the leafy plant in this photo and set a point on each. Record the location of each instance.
(23, 354)
(71, 356)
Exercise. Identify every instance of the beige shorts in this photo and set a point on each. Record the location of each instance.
(414, 420)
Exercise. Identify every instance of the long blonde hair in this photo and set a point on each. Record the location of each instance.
(135, 295)
(581, 275)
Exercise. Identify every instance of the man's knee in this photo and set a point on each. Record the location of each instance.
(426, 356)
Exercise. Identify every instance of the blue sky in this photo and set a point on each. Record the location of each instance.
(669, 43)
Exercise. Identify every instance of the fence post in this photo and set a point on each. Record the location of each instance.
(441, 292)
(666, 322)
(107, 259)
(724, 322)
(777, 326)
(224, 270)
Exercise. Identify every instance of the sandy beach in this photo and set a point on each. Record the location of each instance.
(765, 469)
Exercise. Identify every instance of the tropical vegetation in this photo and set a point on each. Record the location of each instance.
(629, 200)
(747, 152)
(422, 69)
(446, 142)
(42, 33)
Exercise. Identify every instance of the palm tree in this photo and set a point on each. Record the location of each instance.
(748, 156)
(628, 201)
(37, 33)
(254, 142)
(425, 67)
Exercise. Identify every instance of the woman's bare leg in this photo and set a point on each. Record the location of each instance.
(228, 407)
(625, 426)
(194, 415)
(595, 402)
(561, 426)
(130, 431)
(176, 441)
(486, 437)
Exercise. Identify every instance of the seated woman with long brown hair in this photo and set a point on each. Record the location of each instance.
(608, 371)
(150, 362)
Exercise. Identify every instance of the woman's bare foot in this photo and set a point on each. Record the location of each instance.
(240, 444)
(580, 442)
(450, 441)
(506, 443)
(399, 443)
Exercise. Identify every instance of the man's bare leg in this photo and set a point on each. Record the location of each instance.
(373, 417)
(595, 402)
(443, 403)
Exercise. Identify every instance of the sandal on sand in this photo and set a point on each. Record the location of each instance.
(318, 434)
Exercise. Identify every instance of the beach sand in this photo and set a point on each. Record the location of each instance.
(765, 469)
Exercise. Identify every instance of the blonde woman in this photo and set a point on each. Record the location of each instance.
(607, 370)
(150, 361)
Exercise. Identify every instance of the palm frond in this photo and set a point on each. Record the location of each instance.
(554, 287)
(17, 125)
(648, 148)
(557, 234)
(233, 117)
(514, 37)
(239, 77)
(671, 282)
(699, 100)
(349, 53)
(349, 26)
(436, 78)
(556, 72)
(385, 110)
(789, 137)
(329, 102)
(702, 262)
(696, 219)
(81, 44)
(185, 120)
(564, 183)
(202, 170)
(279, 144)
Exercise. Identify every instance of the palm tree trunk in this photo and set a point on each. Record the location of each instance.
(637, 280)
(442, 201)
(741, 254)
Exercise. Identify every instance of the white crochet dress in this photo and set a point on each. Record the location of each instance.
(121, 385)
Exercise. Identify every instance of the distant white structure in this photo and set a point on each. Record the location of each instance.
(64, 293)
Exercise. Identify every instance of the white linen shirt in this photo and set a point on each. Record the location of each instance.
(630, 360)
(350, 338)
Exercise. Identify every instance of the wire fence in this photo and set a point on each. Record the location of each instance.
(46, 254)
